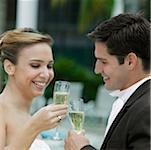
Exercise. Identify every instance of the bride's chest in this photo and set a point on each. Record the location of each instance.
(14, 123)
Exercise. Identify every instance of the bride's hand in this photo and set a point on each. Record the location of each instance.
(48, 117)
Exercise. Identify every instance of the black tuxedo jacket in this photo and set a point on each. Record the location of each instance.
(131, 128)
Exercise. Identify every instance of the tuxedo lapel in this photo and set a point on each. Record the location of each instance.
(133, 98)
(113, 126)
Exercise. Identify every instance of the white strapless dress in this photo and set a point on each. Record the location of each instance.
(39, 145)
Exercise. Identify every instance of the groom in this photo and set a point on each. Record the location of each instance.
(122, 51)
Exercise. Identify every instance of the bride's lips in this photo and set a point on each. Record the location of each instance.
(39, 85)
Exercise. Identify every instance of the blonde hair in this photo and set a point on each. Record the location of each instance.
(13, 41)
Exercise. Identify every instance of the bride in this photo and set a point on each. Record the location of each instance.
(27, 59)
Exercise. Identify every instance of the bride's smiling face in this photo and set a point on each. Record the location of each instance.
(34, 69)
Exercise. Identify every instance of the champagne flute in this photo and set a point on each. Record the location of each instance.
(76, 114)
(60, 96)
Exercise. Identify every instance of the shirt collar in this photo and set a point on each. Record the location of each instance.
(126, 93)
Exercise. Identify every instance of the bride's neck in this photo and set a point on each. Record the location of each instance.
(16, 99)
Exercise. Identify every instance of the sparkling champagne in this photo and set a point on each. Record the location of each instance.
(77, 120)
(61, 97)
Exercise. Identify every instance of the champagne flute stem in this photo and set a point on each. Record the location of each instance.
(56, 136)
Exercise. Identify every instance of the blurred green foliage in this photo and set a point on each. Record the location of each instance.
(69, 70)
(89, 11)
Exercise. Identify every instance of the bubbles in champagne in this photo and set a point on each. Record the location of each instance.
(77, 119)
(61, 97)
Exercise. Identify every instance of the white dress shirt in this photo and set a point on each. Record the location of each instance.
(123, 96)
